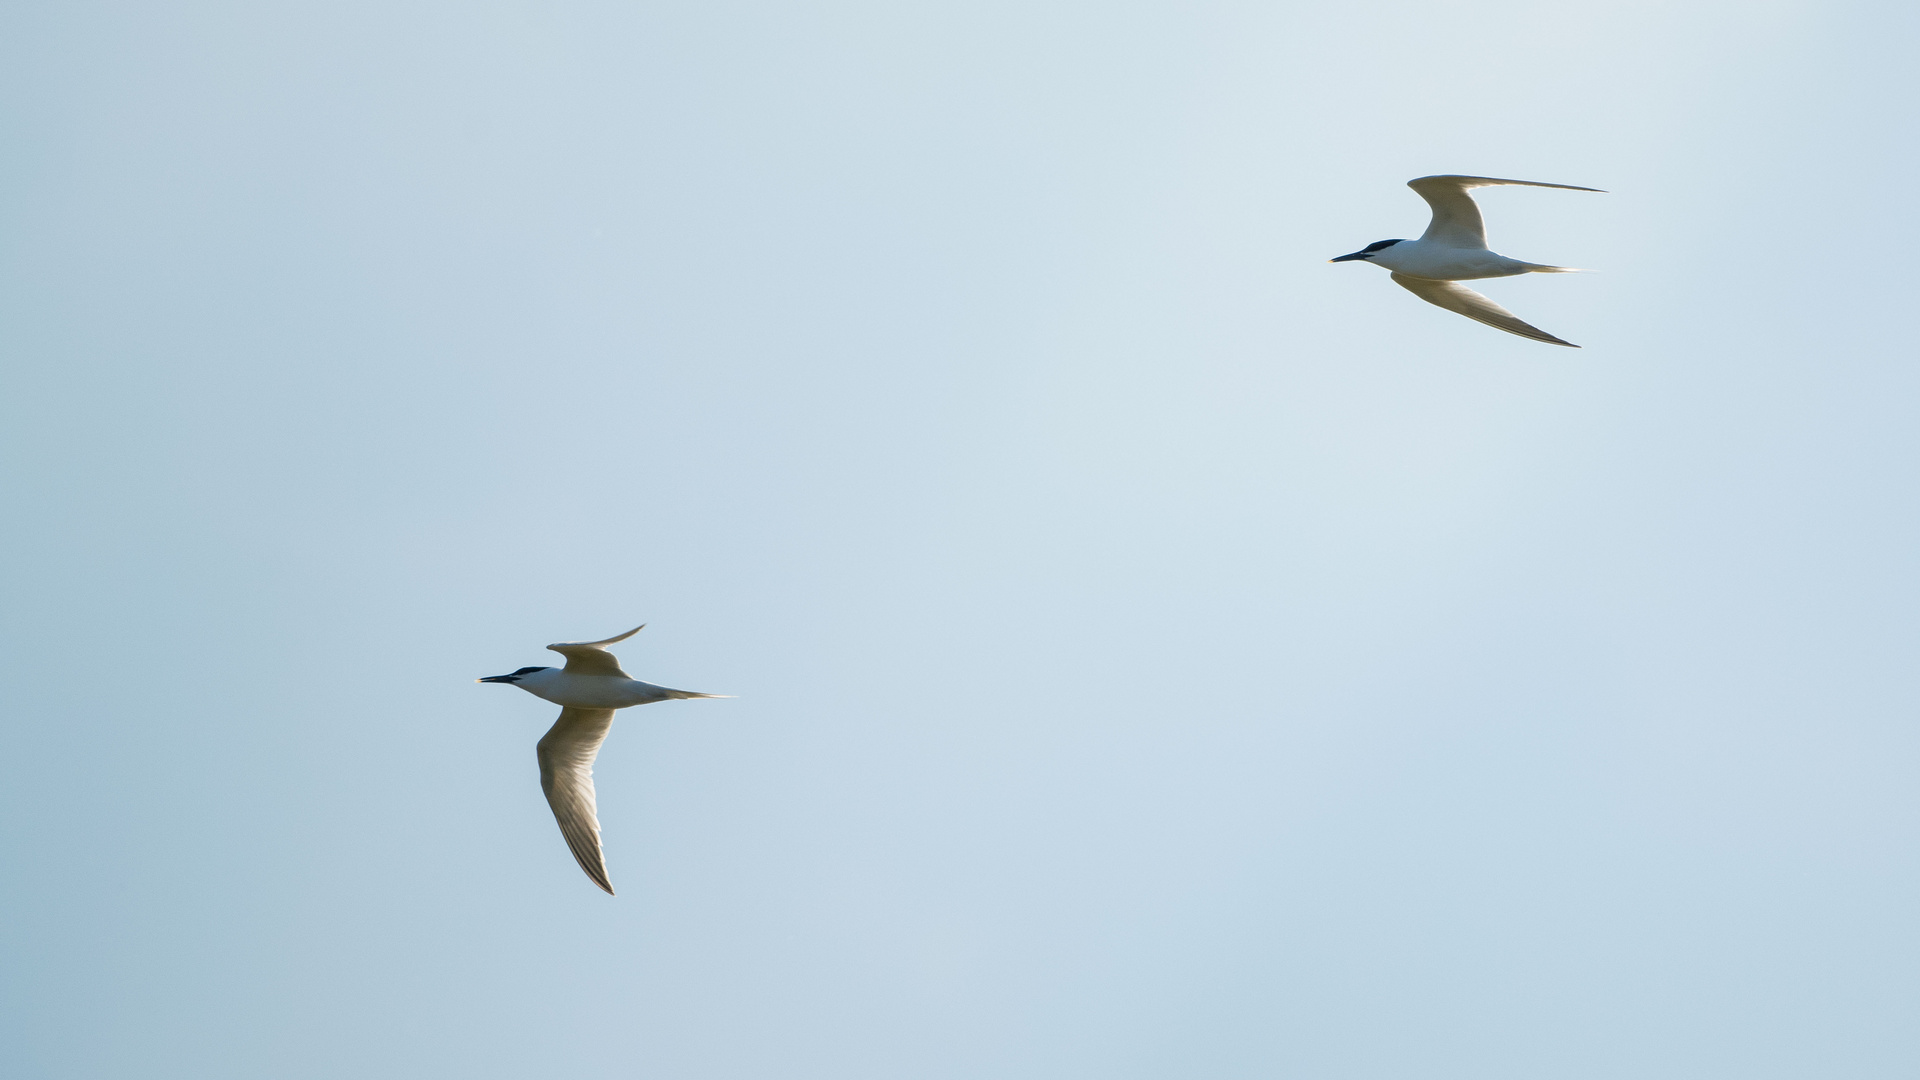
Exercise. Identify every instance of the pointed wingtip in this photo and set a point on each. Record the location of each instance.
(599, 876)
(620, 637)
(602, 643)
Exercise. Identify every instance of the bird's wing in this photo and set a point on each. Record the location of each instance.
(1458, 298)
(1456, 220)
(566, 775)
(592, 657)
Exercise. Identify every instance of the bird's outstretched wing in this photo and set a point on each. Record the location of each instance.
(1456, 220)
(1458, 298)
(566, 775)
(592, 657)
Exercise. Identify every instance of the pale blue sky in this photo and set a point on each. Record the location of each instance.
(1160, 654)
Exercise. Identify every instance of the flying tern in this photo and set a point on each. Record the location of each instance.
(1454, 249)
(587, 690)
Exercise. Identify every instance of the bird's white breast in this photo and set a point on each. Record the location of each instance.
(1429, 260)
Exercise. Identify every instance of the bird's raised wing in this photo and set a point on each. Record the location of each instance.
(1458, 298)
(592, 657)
(1456, 220)
(566, 775)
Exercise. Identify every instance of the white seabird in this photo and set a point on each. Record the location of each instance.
(1454, 248)
(587, 690)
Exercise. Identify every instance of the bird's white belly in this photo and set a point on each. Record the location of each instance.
(589, 691)
(1447, 263)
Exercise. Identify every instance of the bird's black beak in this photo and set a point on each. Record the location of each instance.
(1350, 258)
(498, 678)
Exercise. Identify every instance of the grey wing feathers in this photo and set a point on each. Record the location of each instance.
(588, 660)
(566, 775)
(1458, 298)
(604, 642)
(1456, 220)
(592, 657)
(1451, 180)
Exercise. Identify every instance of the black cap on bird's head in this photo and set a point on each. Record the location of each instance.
(513, 678)
(1367, 252)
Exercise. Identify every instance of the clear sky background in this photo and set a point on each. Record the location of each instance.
(1160, 654)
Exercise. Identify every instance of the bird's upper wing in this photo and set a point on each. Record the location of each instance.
(592, 657)
(1458, 298)
(566, 775)
(1456, 220)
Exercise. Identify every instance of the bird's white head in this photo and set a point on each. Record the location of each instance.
(1368, 252)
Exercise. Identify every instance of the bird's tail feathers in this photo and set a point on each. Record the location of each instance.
(689, 694)
(1542, 268)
